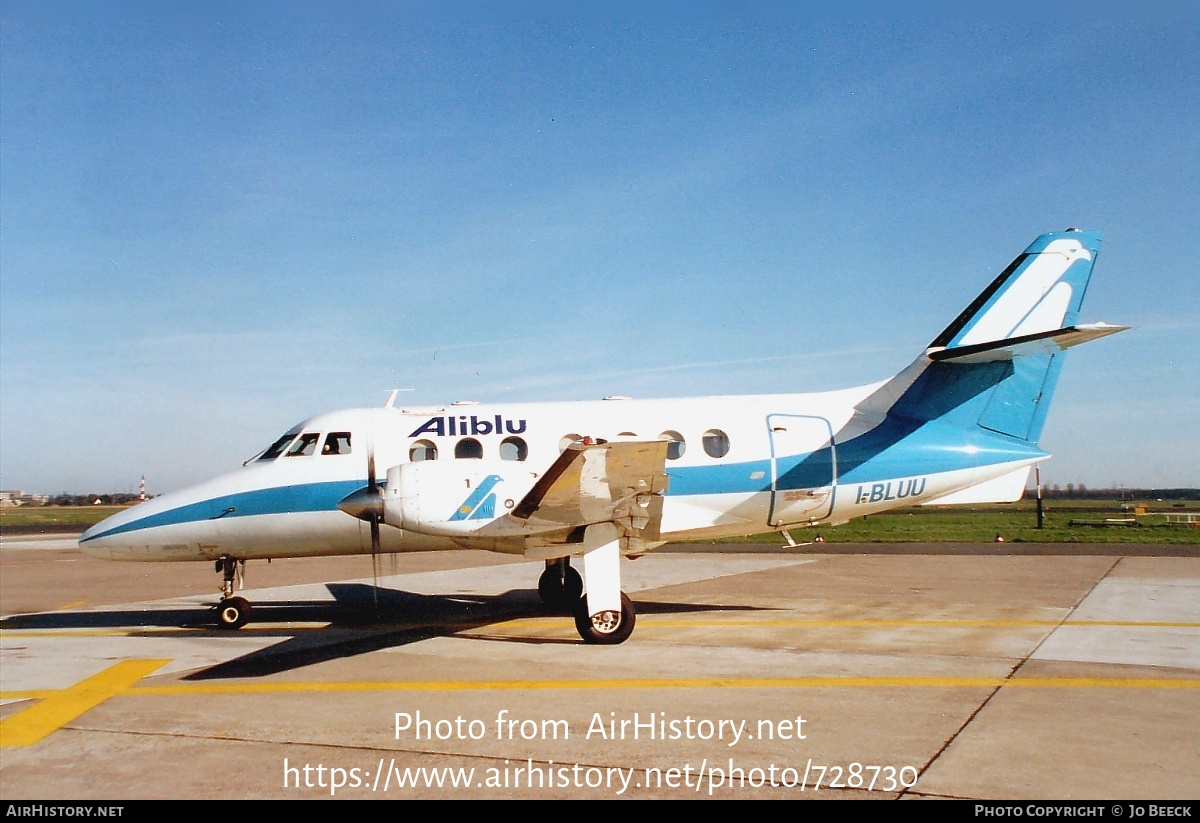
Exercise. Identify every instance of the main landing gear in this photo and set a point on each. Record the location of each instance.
(607, 627)
(232, 612)
(560, 586)
(604, 614)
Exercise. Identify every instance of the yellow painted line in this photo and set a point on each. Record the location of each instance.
(168, 630)
(692, 683)
(184, 689)
(1155, 624)
(30, 725)
(935, 624)
(644, 622)
(73, 605)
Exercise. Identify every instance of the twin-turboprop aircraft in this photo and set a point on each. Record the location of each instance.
(619, 477)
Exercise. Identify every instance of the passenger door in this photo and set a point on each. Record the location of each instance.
(803, 468)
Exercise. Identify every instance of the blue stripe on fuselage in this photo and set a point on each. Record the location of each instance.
(306, 497)
(896, 448)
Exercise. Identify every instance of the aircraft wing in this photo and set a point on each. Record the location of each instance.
(620, 482)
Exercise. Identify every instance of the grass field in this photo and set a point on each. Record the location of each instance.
(1066, 521)
(43, 518)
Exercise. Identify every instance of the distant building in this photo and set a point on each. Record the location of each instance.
(10, 498)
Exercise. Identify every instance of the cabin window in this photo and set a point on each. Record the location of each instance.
(716, 443)
(422, 450)
(468, 448)
(278, 446)
(677, 445)
(336, 443)
(568, 439)
(513, 448)
(305, 445)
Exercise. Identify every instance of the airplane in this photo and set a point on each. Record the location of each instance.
(615, 478)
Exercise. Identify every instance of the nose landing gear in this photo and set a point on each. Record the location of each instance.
(232, 612)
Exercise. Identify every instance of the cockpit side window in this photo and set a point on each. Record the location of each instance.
(277, 447)
(336, 443)
(305, 445)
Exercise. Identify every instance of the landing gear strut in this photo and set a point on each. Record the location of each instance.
(232, 612)
(604, 614)
(560, 585)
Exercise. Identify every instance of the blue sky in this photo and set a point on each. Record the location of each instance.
(211, 231)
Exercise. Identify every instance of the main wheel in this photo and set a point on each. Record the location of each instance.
(608, 627)
(558, 590)
(233, 612)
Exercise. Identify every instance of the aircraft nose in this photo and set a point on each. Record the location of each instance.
(98, 540)
(137, 533)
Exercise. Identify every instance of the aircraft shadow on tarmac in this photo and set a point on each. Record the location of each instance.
(356, 624)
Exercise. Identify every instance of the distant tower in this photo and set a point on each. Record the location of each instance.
(142, 490)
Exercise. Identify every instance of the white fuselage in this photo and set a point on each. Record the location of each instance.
(742, 465)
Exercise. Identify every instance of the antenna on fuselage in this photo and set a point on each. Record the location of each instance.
(391, 400)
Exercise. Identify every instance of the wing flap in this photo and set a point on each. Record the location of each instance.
(620, 482)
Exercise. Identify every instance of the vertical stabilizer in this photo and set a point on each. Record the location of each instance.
(997, 364)
(1040, 291)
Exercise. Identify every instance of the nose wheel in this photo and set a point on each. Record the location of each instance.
(232, 612)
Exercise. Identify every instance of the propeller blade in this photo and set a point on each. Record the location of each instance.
(375, 515)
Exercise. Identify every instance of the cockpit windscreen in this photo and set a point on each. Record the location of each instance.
(277, 447)
(306, 445)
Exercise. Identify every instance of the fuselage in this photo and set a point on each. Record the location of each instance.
(738, 465)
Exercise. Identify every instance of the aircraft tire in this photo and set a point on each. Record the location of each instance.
(233, 613)
(605, 632)
(560, 593)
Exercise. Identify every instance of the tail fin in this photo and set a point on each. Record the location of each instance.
(997, 364)
(1039, 291)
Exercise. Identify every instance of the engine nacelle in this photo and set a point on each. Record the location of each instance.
(453, 498)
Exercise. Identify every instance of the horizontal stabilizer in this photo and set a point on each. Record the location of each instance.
(1046, 342)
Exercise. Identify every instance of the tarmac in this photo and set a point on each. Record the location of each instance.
(978, 671)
